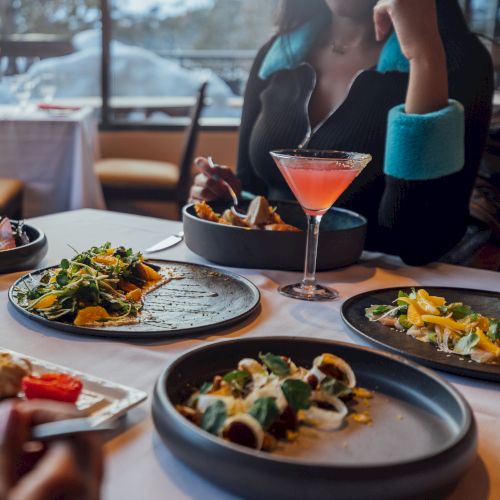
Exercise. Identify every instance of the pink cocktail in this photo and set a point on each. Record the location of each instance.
(317, 179)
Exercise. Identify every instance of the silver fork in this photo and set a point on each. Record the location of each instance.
(215, 176)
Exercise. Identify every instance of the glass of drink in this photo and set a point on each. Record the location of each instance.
(47, 87)
(317, 179)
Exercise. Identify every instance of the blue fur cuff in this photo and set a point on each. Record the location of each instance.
(423, 147)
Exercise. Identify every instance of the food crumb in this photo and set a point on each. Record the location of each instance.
(400, 417)
(362, 418)
(291, 435)
(362, 393)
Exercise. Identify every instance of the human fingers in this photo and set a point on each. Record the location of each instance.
(56, 475)
(382, 19)
(14, 431)
(40, 411)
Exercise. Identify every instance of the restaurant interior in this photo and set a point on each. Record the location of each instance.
(249, 249)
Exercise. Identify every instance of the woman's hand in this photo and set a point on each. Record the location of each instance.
(66, 468)
(206, 185)
(416, 26)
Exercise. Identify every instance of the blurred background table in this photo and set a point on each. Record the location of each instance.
(138, 464)
(53, 154)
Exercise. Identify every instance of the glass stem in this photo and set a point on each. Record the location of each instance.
(313, 222)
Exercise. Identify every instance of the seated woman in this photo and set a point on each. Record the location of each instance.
(413, 89)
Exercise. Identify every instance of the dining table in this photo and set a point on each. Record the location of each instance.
(138, 464)
(53, 152)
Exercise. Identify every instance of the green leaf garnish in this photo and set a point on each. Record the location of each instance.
(275, 363)
(402, 294)
(62, 278)
(214, 417)
(238, 379)
(334, 387)
(494, 329)
(64, 264)
(466, 344)
(460, 311)
(265, 411)
(297, 393)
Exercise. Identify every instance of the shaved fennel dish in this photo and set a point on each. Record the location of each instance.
(262, 402)
(454, 328)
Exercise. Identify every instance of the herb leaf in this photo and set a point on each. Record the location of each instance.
(64, 264)
(238, 379)
(494, 329)
(465, 344)
(265, 411)
(214, 417)
(297, 393)
(62, 278)
(275, 363)
(334, 387)
(460, 311)
(402, 294)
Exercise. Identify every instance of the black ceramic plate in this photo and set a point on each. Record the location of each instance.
(422, 440)
(205, 298)
(26, 256)
(487, 303)
(341, 240)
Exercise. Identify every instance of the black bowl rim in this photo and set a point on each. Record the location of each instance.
(363, 221)
(465, 409)
(38, 239)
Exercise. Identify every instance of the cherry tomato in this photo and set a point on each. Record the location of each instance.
(56, 386)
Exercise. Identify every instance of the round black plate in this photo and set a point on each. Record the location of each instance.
(206, 298)
(422, 440)
(25, 256)
(341, 241)
(484, 302)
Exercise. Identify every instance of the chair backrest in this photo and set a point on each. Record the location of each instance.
(190, 142)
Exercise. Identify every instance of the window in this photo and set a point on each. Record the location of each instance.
(161, 51)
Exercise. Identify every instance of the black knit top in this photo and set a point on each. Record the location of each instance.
(417, 220)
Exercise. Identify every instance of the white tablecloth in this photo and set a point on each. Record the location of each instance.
(139, 465)
(54, 156)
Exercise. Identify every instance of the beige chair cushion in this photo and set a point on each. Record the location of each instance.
(10, 189)
(130, 173)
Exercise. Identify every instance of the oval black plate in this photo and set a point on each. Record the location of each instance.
(484, 302)
(341, 240)
(422, 440)
(205, 299)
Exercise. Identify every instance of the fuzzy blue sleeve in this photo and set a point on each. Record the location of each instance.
(423, 147)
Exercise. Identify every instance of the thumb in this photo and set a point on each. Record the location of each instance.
(382, 20)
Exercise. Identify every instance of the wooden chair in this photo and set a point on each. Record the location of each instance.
(11, 198)
(138, 179)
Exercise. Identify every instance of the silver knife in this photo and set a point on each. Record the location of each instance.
(166, 243)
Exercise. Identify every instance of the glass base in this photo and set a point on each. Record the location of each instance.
(313, 293)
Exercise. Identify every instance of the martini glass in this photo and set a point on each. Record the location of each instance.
(317, 179)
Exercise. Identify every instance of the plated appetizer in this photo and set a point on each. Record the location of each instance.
(260, 403)
(454, 328)
(260, 215)
(12, 236)
(103, 286)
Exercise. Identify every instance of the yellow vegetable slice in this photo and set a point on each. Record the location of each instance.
(147, 273)
(106, 260)
(437, 301)
(486, 344)
(483, 323)
(425, 303)
(446, 322)
(47, 301)
(414, 316)
(89, 315)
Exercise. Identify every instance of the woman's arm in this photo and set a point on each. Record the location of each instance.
(433, 146)
(416, 26)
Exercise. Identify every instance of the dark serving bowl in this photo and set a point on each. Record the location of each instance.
(341, 241)
(422, 440)
(25, 256)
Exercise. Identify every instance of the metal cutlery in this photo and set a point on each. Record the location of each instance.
(169, 242)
